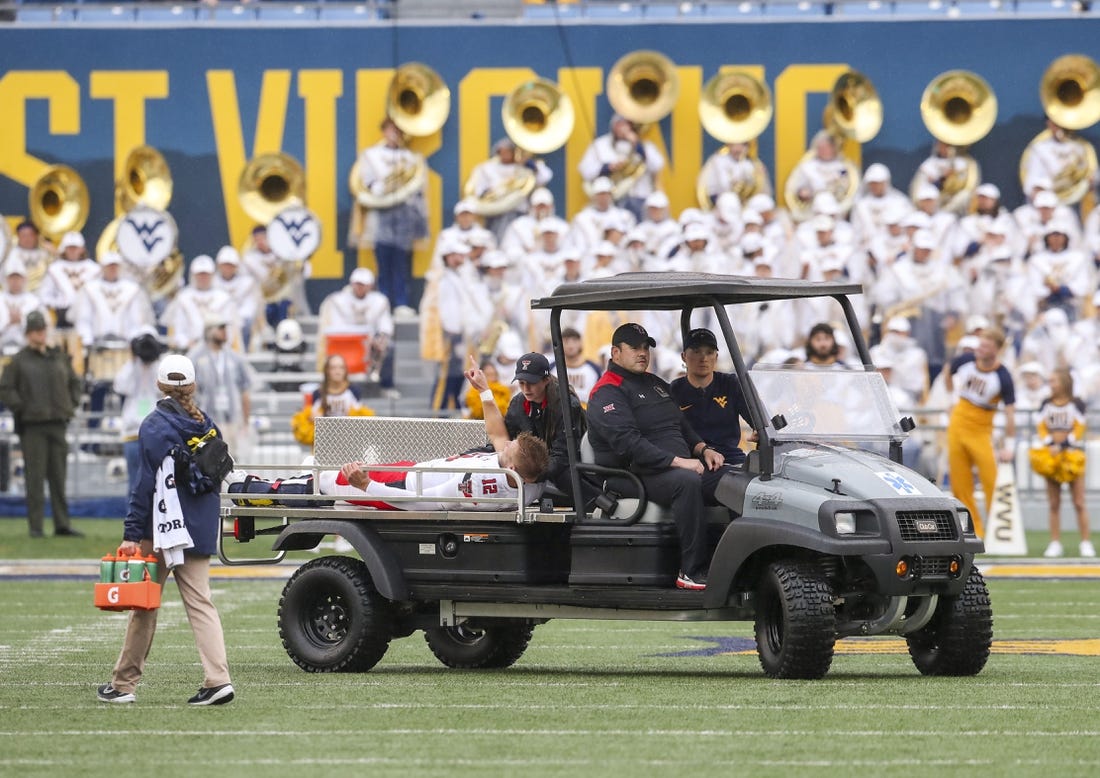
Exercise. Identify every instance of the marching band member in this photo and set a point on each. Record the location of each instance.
(465, 314)
(194, 303)
(1035, 216)
(510, 300)
(778, 227)
(111, 307)
(726, 222)
(825, 204)
(541, 268)
(944, 165)
(1052, 158)
(65, 277)
(521, 237)
(498, 172)
(876, 198)
(975, 226)
(824, 171)
(734, 172)
(910, 363)
(1001, 292)
(242, 287)
(400, 226)
(359, 309)
(590, 222)
(942, 223)
(615, 153)
(657, 226)
(609, 260)
(261, 262)
(15, 303)
(1061, 277)
(32, 253)
(464, 229)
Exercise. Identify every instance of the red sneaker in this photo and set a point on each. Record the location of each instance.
(696, 584)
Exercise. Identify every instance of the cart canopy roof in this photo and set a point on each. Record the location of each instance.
(675, 291)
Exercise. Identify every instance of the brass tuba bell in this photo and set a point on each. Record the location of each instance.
(958, 107)
(538, 116)
(854, 109)
(145, 180)
(268, 184)
(643, 86)
(1070, 92)
(58, 202)
(735, 107)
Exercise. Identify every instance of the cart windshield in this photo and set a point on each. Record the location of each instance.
(828, 405)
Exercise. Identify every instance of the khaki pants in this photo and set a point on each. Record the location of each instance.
(193, 581)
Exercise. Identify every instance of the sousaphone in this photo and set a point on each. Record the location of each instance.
(1070, 94)
(270, 185)
(418, 101)
(58, 202)
(735, 107)
(538, 118)
(643, 87)
(959, 108)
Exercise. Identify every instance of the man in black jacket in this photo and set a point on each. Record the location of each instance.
(537, 409)
(42, 392)
(634, 423)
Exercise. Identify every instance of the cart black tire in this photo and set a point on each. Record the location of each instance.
(332, 619)
(795, 621)
(486, 644)
(956, 641)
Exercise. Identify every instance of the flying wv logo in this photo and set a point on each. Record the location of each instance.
(299, 229)
(147, 233)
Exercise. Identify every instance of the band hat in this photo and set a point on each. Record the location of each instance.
(823, 223)
(569, 254)
(832, 264)
(877, 173)
(895, 213)
(176, 370)
(36, 322)
(606, 248)
(689, 215)
(602, 185)
(509, 347)
(1046, 199)
(1057, 225)
(701, 337)
(696, 231)
(479, 239)
(15, 267)
(464, 206)
(554, 225)
(453, 245)
(923, 239)
(762, 261)
(883, 362)
(751, 243)
(1032, 367)
(532, 368)
(227, 255)
(1002, 253)
(899, 324)
(110, 258)
(988, 190)
(542, 196)
(202, 264)
(728, 206)
(976, 322)
(825, 202)
(918, 219)
(761, 203)
(969, 342)
(749, 216)
(616, 222)
(71, 239)
(997, 227)
(928, 192)
(494, 259)
(657, 199)
(361, 275)
(633, 335)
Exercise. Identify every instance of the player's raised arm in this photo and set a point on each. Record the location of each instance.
(494, 422)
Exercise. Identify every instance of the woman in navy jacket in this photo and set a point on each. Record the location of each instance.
(175, 420)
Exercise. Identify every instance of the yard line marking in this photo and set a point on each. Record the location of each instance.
(492, 732)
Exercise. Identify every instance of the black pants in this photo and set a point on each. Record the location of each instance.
(685, 493)
(44, 460)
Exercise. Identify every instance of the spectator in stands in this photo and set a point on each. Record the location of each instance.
(583, 373)
(822, 350)
(188, 311)
(224, 382)
(1060, 459)
(242, 288)
(42, 392)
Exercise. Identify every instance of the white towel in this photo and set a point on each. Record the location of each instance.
(170, 535)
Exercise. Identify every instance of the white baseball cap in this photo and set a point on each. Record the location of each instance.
(464, 206)
(71, 239)
(823, 223)
(202, 264)
(602, 184)
(1046, 199)
(227, 255)
(928, 192)
(825, 202)
(657, 199)
(923, 239)
(554, 225)
(176, 370)
(606, 248)
(899, 324)
(361, 275)
(761, 203)
(288, 334)
(751, 243)
(877, 172)
(110, 258)
(15, 267)
(749, 216)
(988, 190)
(542, 196)
(494, 259)
(696, 231)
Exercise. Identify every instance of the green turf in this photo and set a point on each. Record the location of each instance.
(588, 698)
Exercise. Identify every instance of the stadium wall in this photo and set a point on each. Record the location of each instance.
(212, 97)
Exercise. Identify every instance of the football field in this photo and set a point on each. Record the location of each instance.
(588, 698)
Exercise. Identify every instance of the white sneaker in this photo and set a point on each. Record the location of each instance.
(1086, 549)
(342, 546)
(404, 313)
(1054, 550)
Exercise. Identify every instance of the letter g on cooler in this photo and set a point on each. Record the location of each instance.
(113, 595)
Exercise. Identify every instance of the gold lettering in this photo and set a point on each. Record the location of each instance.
(62, 94)
(229, 136)
(682, 165)
(475, 93)
(320, 90)
(583, 85)
(129, 89)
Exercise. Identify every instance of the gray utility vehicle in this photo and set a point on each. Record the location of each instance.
(823, 534)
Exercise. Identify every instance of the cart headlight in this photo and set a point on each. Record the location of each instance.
(845, 523)
(964, 520)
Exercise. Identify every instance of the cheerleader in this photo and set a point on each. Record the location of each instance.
(1060, 458)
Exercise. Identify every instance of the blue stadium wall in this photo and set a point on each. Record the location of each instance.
(211, 97)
